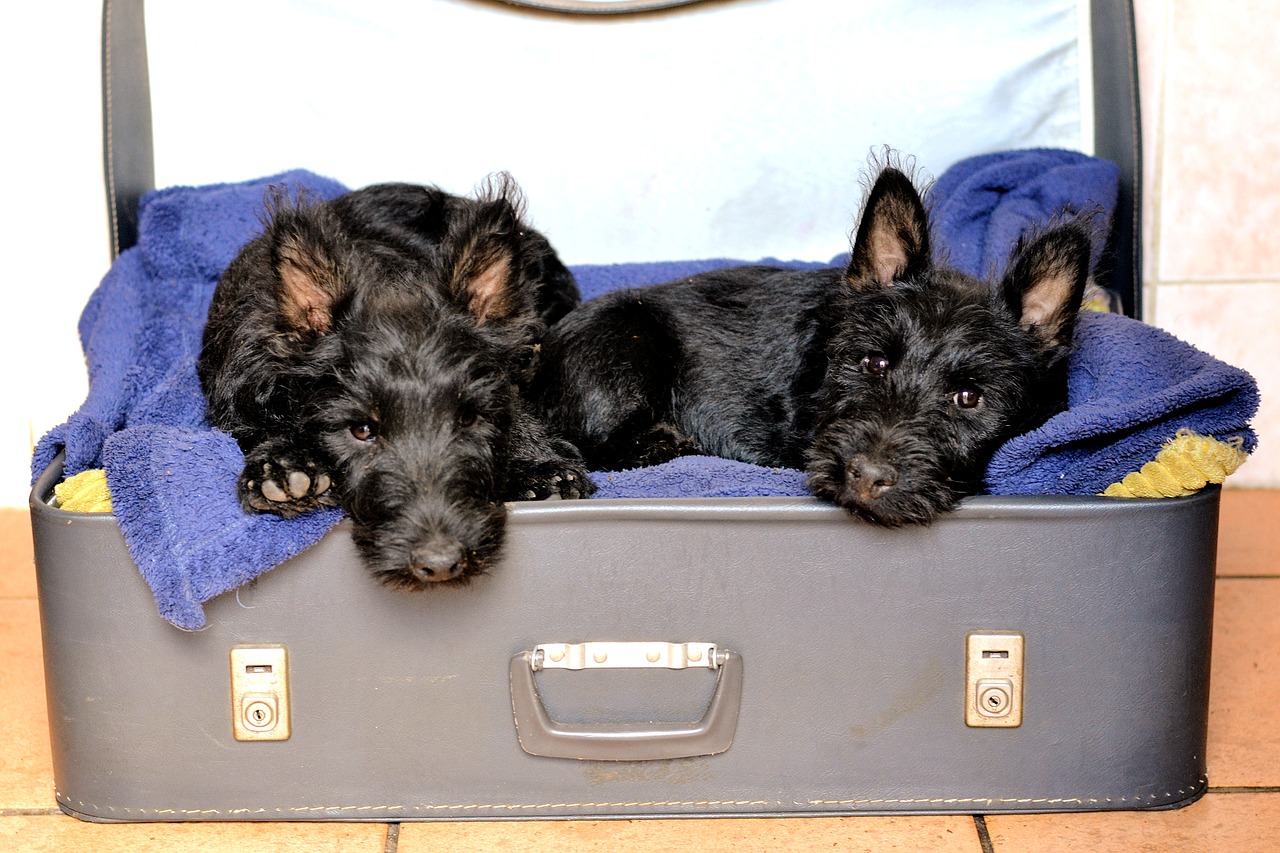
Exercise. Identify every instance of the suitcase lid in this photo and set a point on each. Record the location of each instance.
(734, 129)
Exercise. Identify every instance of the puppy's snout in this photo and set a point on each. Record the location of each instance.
(870, 479)
(438, 559)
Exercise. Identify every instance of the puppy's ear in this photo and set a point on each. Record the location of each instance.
(1045, 282)
(483, 250)
(305, 248)
(893, 237)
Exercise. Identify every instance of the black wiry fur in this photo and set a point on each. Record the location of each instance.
(891, 382)
(367, 352)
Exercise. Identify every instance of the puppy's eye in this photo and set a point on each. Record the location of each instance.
(875, 363)
(364, 432)
(467, 415)
(967, 398)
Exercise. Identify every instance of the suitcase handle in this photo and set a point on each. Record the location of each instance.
(538, 734)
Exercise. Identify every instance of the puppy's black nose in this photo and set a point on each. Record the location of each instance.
(870, 478)
(438, 559)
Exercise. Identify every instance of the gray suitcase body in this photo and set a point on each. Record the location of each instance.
(850, 646)
(838, 681)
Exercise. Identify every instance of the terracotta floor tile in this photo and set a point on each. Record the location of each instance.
(1247, 544)
(36, 834)
(26, 773)
(1218, 823)
(880, 834)
(1244, 692)
(17, 566)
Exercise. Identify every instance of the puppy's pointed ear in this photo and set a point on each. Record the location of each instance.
(893, 237)
(305, 251)
(1045, 282)
(484, 249)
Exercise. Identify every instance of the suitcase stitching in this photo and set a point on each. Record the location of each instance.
(1200, 783)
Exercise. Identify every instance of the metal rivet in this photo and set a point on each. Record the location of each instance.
(695, 655)
(600, 657)
(654, 656)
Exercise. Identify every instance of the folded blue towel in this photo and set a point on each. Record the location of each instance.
(173, 478)
(982, 205)
(141, 328)
(1131, 387)
(173, 491)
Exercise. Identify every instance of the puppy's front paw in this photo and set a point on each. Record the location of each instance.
(573, 481)
(656, 445)
(537, 481)
(284, 481)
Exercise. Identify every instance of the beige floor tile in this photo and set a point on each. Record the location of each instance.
(1247, 544)
(1218, 823)
(1244, 692)
(1220, 187)
(36, 834)
(880, 834)
(26, 773)
(17, 566)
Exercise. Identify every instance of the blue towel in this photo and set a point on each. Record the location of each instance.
(700, 477)
(1131, 387)
(173, 478)
(173, 491)
(980, 206)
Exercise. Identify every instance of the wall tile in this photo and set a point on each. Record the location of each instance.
(1236, 323)
(1220, 159)
(1151, 29)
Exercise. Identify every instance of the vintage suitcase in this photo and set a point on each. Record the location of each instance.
(657, 657)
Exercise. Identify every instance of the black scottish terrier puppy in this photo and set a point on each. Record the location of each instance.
(890, 382)
(368, 351)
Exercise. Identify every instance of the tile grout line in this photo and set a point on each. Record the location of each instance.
(1262, 278)
(984, 836)
(1244, 789)
(1156, 170)
(32, 812)
(393, 838)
